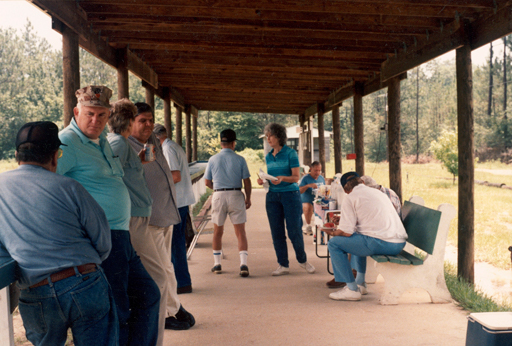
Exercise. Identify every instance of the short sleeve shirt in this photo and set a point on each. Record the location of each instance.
(308, 196)
(177, 160)
(227, 170)
(282, 164)
(99, 170)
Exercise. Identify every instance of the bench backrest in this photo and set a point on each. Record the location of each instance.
(421, 224)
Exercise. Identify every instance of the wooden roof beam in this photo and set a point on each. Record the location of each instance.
(481, 32)
(70, 14)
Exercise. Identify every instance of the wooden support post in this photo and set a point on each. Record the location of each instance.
(394, 145)
(302, 138)
(337, 138)
(179, 136)
(150, 97)
(167, 113)
(188, 139)
(310, 152)
(466, 227)
(321, 136)
(194, 136)
(70, 71)
(359, 128)
(122, 74)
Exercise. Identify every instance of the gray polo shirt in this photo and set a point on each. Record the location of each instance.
(161, 186)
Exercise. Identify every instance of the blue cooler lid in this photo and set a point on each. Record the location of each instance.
(493, 320)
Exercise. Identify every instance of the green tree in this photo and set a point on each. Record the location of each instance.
(445, 150)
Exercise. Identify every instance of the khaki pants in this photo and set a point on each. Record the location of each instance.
(153, 245)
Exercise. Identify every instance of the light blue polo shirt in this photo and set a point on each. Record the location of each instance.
(282, 164)
(226, 169)
(99, 171)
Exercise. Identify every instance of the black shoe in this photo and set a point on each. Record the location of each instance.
(244, 271)
(185, 289)
(217, 269)
(174, 324)
(184, 316)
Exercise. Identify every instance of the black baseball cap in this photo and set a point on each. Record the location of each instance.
(348, 176)
(43, 134)
(227, 136)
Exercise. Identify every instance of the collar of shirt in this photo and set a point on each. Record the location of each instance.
(84, 138)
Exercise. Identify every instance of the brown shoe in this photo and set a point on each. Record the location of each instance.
(334, 284)
(185, 289)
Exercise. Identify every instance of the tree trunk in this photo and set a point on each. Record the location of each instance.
(505, 125)
(417, 113)
(489, 103)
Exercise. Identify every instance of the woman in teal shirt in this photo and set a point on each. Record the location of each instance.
(283, 202)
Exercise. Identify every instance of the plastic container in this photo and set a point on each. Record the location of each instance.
(489, 328)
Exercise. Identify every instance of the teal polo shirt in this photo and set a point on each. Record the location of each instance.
(282, 164)
(99, 170)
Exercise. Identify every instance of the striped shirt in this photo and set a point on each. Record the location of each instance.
(281, 165)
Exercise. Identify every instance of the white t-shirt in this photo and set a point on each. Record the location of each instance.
(369, 212)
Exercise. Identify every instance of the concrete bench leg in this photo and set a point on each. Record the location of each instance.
(6, 325)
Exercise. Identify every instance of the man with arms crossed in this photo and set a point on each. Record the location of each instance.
(88, 158)
(224, 175)
(164, 215)
(57, 233)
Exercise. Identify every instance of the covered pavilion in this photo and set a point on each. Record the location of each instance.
(302, 57)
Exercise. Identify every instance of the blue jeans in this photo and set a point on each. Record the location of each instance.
(281, 207)
(179, 250)
(136, 295)
(83, 302)
(359, 246)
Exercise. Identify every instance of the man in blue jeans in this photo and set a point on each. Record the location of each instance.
(57, 233)
(88, 158)
(177, 160)
(369, 225)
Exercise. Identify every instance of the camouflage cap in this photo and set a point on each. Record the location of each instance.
(94, 96)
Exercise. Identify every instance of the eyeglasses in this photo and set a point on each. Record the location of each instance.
(59, 153)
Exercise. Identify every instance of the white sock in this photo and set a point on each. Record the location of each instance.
(243, 257)
(217, 256)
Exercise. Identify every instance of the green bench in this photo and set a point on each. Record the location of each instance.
(427, 230)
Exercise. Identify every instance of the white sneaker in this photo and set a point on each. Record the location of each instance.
(346, 294)
(308, 230)
(308, 266)
(362, 289)
(281, 271)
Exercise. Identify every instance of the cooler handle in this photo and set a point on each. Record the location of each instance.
(490, 331)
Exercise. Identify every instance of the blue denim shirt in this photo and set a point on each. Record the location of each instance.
(99, 171)
(134, 177)
(48, 223)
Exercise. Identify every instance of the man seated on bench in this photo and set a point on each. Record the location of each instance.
(369, 225)
(59, 235)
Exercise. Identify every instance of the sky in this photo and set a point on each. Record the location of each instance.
(15, 13)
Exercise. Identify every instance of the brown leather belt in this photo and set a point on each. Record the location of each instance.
(233, 189)
(66, 273)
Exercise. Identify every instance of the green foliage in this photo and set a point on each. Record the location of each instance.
(445, 150)
(468, 296)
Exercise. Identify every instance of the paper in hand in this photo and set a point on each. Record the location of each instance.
(266, 176)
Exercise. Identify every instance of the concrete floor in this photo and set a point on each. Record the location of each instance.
(295, 309)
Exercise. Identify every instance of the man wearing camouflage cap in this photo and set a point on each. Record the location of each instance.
(88, 158)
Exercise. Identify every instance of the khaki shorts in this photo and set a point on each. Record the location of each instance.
(230, 203)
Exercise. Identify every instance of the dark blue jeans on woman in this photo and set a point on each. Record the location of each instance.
(136, 295)
(286, 207)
